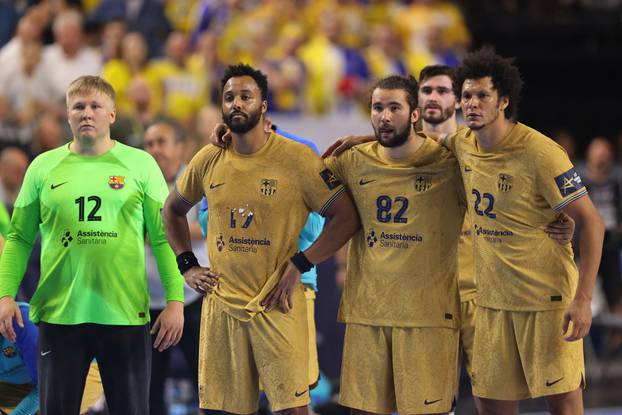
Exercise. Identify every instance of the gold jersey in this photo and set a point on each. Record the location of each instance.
(402, 264)
(258, 205)
(514, 192)
(466, 272)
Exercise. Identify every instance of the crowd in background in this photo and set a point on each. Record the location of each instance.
(165, 58)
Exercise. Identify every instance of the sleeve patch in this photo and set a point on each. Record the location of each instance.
(330, 179)
(569, 182)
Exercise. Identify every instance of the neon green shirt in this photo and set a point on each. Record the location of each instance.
(5, 219)
(93, 214)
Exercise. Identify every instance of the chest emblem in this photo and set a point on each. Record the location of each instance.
(423, 183)
(9, 352)
(116, 182)
(505, 182)
(268, 187)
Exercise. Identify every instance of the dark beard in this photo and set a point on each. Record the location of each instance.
(398, 139)
(446, 114)
(244, 125)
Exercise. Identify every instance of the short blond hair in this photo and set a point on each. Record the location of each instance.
(89, 83)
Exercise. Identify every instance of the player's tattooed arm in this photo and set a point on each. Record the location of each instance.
(579, 311)
(200, 279)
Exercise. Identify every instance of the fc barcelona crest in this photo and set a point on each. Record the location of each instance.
(423, 183)
(116, 182)
(505, 182)
(268, 187)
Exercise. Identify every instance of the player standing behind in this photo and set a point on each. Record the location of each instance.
(401, 353)
(92, 201)
(259, 191)
(533, 305)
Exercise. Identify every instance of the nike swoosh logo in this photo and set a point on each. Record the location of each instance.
(554, 382)
(363, 182)
(54, 186)
(467, 169)
(299, 394)
(46, 353)
(426, 402)
(213, 186)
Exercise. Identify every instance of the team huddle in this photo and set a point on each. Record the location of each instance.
(458, 245)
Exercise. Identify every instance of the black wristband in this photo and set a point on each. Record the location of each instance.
(301, 262)
(186, 260)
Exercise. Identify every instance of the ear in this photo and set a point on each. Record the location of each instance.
(414, 117)
(264, 106)
(503, 103)
(113, 115)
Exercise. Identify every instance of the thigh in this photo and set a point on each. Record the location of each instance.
(497, 371)
(280, 343)
(189, 342)
(552, 365)
(367, 369)
(467, 332)
(314, 367)
(228, 378)
(124, 357)
(425, 367)
(64, 358)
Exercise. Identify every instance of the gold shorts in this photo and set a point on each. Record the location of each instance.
(314, 367)
(235, 355)
(519, 355)
(467, 331)
(408, 370)
(11, 395)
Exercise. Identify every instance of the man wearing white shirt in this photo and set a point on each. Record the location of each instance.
(67, 59)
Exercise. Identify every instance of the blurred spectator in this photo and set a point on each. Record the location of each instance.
(143, 16)
(69, 59)
(207, 119)
(48, 135)
(13, 164)
(385, 53)
(112, 34)
(432, 29)
(28, 29)
(121, 71)
(204, 63)
(336, 73)
(179, 92)
(165, 142)
(19, 94)
(606, 192)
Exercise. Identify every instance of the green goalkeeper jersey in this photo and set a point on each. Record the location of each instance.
(93, 214)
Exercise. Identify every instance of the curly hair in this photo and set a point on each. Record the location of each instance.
(242, 69)
(408, 84)
(504, 75)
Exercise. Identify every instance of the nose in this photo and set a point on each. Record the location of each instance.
(237, 102)
(385, 115)
(87, 113)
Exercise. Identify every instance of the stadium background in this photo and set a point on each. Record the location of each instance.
(321, 57)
